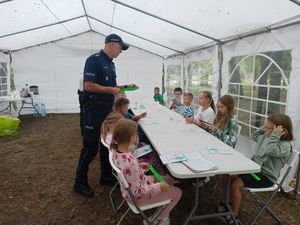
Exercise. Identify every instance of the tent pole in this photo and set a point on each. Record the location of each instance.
(145, 39)
(183, 83)
(220, 60)
(296, 2)
(5, 1)
(83, 5)
(167, 21)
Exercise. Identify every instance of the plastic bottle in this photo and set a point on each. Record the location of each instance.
(43, 110)
(27, 91)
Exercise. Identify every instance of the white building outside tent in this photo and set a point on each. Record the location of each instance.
(249, 49)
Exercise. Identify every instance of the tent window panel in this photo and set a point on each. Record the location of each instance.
(278, 94)
(245, 90)
(245, 104)
(259, 76)
(260, 92)
(274, 108)
(233, 89)
(259, 106)
(173, 78)
(243, 116)
(199, 76)
(3, 79)
(257, 120)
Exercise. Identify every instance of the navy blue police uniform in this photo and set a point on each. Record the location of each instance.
(99, 69)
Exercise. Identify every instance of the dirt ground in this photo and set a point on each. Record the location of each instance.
(37, 170)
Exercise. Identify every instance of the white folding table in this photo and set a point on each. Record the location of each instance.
(26, 103)
(170, 134)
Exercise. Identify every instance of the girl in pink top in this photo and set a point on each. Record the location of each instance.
(145, 188)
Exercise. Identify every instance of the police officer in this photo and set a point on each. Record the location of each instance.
(100, 87)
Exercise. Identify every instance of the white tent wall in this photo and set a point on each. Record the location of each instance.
(56, 68)
(276, 40)
(206, 54)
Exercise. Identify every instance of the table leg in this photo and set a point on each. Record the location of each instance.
(189, 218)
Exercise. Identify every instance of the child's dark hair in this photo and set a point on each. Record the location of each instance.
(123, 132)
(286, 123)
(156, 88)
(120, 102)
(228, 102)
(208, 95)
(189, 95)
(178, 89)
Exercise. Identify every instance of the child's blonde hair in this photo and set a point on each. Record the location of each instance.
(120, 102)
(123, 132)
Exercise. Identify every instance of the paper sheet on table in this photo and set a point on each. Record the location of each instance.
(142, 151)
(220, 150)
(172, 158)
(198, 163)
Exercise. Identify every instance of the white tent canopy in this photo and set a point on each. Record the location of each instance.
(162, 27)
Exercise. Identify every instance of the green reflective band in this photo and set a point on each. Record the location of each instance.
(129, 88)
(156, 174)
(255, 176)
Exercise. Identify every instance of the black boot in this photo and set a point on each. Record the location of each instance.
(83, 189)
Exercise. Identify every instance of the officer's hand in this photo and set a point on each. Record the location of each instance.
(131, 85)
(115, 90)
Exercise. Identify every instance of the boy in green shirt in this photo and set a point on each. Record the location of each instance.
(158, 97)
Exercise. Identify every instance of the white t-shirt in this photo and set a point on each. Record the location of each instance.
(208, 115)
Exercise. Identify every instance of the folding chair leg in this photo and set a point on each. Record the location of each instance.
(123, 216)
(115, 207)
(265, 207)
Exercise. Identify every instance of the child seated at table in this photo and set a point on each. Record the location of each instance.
(205, 115)
(186, 110)
(146, 189)
(121, 112)
(176, 102)
(158, 97)
(273, 149)
(225, 124)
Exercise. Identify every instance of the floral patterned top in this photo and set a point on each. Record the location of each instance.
(229, 134)
(142, 186)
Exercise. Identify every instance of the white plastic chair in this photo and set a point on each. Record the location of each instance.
(274, 189)
(114, 205)
(133, 206)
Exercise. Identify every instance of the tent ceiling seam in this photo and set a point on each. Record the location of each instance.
(296, 2)
(83, 5)
(5, 1)
(55, 16)
(127, 32)
(36, 28)
(113, 17)
(168, 21)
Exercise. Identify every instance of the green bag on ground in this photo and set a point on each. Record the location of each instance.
(9, 126)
